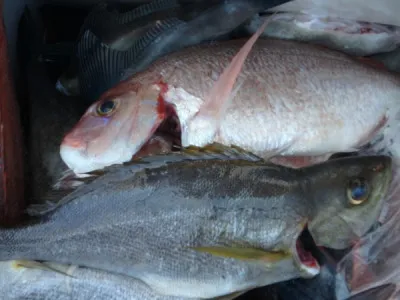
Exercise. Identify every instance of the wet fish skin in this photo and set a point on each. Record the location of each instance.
(202, 202)
(122, 51)
(234, 13)
(78, 283)
(339, 91)
(107, 35)
(351, 37)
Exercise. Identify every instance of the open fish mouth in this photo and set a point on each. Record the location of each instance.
(307, 255)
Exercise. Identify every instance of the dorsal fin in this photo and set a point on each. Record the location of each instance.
(119, 172)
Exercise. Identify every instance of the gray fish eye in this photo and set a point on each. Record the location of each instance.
(357, 190)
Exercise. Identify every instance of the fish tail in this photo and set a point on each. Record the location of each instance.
(101, 67)
(103, 21)
(110, 41)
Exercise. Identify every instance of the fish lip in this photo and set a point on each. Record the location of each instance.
(304, 259)
(75, 156)
(73, 143)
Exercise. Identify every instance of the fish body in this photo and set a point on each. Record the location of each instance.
(290, 99)
(204, 227)
(114, 46)
(348, 36)
(78, 283)
(107, 32)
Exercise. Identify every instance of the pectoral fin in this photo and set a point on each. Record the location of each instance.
(31, 264)
(245, 253)
(208, 117)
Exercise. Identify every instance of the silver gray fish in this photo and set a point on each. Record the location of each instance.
(20, 280)
(206, 225)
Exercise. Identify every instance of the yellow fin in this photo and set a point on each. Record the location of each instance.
(31, 264)
(209, 151)
(231, 296)
(245, 253)
(217, 149)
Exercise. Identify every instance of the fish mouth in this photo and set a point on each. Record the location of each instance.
(306, 254)
(167, 137)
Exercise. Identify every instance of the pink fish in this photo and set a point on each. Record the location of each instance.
(293, 102)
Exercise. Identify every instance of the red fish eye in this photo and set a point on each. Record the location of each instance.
(106, 107)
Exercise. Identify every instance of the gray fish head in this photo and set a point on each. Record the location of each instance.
(347, 196)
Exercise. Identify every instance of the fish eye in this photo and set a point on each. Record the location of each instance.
(105, 108)
(357, 191)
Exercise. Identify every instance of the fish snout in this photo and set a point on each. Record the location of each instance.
(73, 153)
(73, 142)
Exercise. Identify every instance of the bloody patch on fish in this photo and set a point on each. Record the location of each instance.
(167, 136)
(161, 108)
(374, 131)
(307, 250)
(305, 256)
(371, 62)
(365, 30)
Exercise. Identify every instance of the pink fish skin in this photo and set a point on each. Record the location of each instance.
(289, 100)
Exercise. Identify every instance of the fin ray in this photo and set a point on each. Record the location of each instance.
(31, 264)
(245, 253)
(100, 64)
(210, 152)
(211, 111)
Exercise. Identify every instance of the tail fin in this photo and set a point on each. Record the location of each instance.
(100, 67)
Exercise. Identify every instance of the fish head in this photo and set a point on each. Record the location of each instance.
(348, 196)
(113, 129)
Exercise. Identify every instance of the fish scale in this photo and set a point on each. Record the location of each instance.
(335, 103)
(74, 282)
(149, 221)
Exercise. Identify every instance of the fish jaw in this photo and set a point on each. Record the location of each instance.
(98, 141)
